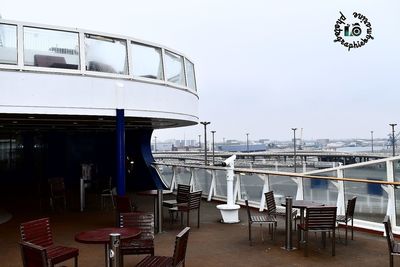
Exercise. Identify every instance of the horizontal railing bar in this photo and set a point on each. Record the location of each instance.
(290, 174)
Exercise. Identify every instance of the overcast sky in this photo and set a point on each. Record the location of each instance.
(262, 67)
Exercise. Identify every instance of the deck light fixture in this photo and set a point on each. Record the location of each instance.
(205, 123)
(393, 138)
(213, 151)
(294, 149)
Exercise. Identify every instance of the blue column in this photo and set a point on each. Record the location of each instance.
(121, 189)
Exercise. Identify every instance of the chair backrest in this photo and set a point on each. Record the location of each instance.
(123, 204)
(194, 200)
(351, 204)
(182, 193)
(270, 199)
(37, 232)
(33, 255)
(248, 209)
(389, 233)
(142, 220)
(180, 247)
(319, 218)
(57, 186)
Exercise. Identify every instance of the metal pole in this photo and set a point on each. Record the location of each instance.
(372, 141)
(114, 254)
(205, 123)
(82, 189)
(213, 149)
(393, 140)
(159, 210)
(120, 152)
(288, 225)
(294, 149)
(247, 142)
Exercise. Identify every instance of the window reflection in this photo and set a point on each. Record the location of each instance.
(174, 70)
(106, 54)
(191, 78)
(51, 48)
(8, 44)
(147, 61)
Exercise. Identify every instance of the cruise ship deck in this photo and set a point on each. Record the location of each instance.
(213, 244)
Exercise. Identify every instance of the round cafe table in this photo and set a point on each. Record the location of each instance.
(102, 236)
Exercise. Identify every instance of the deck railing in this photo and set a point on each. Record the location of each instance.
(375, 183)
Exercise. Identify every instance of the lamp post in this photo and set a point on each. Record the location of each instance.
(213, 132)
(294, 148)
(393, 140)
(247, 142)
(205, 123)
(155, 143)
(372, 141)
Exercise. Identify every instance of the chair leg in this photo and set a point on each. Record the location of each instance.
(187, 219)
(306, 243)
(352, 235)
(250, 233)
(76, 261)
(390, 260)
(198, 218)
(298, 236)
(333, 242)
(323, 239)
(345, 239)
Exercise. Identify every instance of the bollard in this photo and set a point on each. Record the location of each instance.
(288, 225)
(113, 252)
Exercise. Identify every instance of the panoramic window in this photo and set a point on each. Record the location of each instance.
(106, 54)
(174, 70)
(8, 44)
(147, 61)
(191, 78)
(51, 48)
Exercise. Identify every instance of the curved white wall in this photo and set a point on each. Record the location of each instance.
(63, 94)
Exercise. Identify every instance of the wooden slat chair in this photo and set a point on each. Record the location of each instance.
(349, 216)
(178, 258)
(194, 200)
(38, 232)
(181, 196)
(260, 219)
(318, 219)
(394, 247)
(108, 193)
(57, 192)
(272, 209)
(145, 243)
(32, 255)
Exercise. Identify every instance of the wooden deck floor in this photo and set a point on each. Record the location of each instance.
(214, 244)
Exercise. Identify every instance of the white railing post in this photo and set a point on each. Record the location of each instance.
(341, 210)
(265, 190)
(212, 191)
(300, 189)
(391, 208)
(192, 178)
(237, 192)
(173, 180)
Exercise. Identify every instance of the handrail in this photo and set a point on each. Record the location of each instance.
(277, 173)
